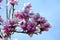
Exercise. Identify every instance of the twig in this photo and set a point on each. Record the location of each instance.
(22, 32)
(6, 9)
(12, 10)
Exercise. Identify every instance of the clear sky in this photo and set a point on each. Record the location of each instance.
(48, 8)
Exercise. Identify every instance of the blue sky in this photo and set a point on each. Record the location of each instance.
(50, 9)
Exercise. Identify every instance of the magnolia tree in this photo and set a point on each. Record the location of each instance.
(29, 22)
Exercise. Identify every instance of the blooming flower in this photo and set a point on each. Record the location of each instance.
(9, 26)
(36, 17)
(29, 22)
(27, 6)
(25, 14)
(18, 14)
(44, 27)
(41, 23)
(12, 2)
(12, 23)
(29, 27)
(6, 29)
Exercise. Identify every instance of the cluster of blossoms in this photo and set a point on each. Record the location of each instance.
(27, 20)
(31, 21)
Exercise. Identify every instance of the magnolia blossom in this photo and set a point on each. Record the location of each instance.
(12, 2)
(32, 21)
(25, 14)
(0, 1)
(29, 27)
(27, 6)
(42, 22)
(29, 22)
(44, 27)
(9, 26)
(18, 14)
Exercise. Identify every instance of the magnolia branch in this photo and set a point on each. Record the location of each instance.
(6, 9)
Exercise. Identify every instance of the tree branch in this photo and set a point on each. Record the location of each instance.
(6, 9)
(12, 10)
(21, 32)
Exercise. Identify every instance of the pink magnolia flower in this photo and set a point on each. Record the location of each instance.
(28, 5)
(39, 19)
(42, 22)
(23, 15)
(12, 2)
(44, 27)
(27, 8)
(0, 1)
(18, 14)
(9, 26)
(6, 29)
(36, 17)
(12, 23)
(29, 27)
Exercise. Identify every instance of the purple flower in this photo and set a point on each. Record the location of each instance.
(12, 2)
(43, 20)
(39, 19)
(12, 23)
(18, 14)
(44, 27)
(23, 15)
(9, 26)
(0, 1)
(6, 29)
(28, 5)
(29, 27)
(36, 17)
